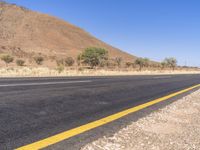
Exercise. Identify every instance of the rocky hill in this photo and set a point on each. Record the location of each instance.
(25, 33)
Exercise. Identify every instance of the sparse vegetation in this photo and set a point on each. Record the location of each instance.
(142, 62)
(60, 62)
(39, 60)
(20, 62)
(57, 54)
(78, 59)
(129, 64)
(170, 62)
(146, 62)
(60, 68)
(110, 64)
(7, 59)
(98, 58)
(118, 61)
(69, 61)
(94, 56)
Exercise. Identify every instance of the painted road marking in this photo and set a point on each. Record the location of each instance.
(81, 129)
(162, 77)
(44, 83)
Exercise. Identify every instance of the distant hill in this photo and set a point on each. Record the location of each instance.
(25, 33)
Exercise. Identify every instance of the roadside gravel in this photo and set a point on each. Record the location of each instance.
(175, 127)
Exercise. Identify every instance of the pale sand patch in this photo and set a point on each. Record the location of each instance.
(176, 119)
(188, 111)
(175, 127)
(163, 128)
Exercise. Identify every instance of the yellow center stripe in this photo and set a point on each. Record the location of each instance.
(78, 130)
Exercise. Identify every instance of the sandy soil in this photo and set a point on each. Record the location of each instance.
(44, 71)
(175, 127)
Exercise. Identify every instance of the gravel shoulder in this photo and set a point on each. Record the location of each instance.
(177, 126)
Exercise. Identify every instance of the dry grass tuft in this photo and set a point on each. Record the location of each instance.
(45, 71)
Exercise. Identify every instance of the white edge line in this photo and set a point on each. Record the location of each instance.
(44, 83)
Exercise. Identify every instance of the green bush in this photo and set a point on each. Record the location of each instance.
(20, 62)
(94, 56)
(7, 58)
(69, 61)
(38, 60)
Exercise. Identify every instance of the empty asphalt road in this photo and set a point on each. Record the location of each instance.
(32, 109)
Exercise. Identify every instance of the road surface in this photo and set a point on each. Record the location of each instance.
(32, 109)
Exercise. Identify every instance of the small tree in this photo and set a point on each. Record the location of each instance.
(128, 64)
(163, 64)
(171, 62)
(69, 61)
(154, 65)
(118, 61)
(78, 59)
(39, 60)
(60, 62)
(94, 56)
(146, 62)
(20, 62)
(7, 59)
(142, 62)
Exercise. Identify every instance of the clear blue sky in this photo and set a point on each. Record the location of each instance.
(148, 28)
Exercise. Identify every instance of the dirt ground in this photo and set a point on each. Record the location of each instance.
(175, 127)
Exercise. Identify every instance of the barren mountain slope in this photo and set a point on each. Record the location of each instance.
(24, 33)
